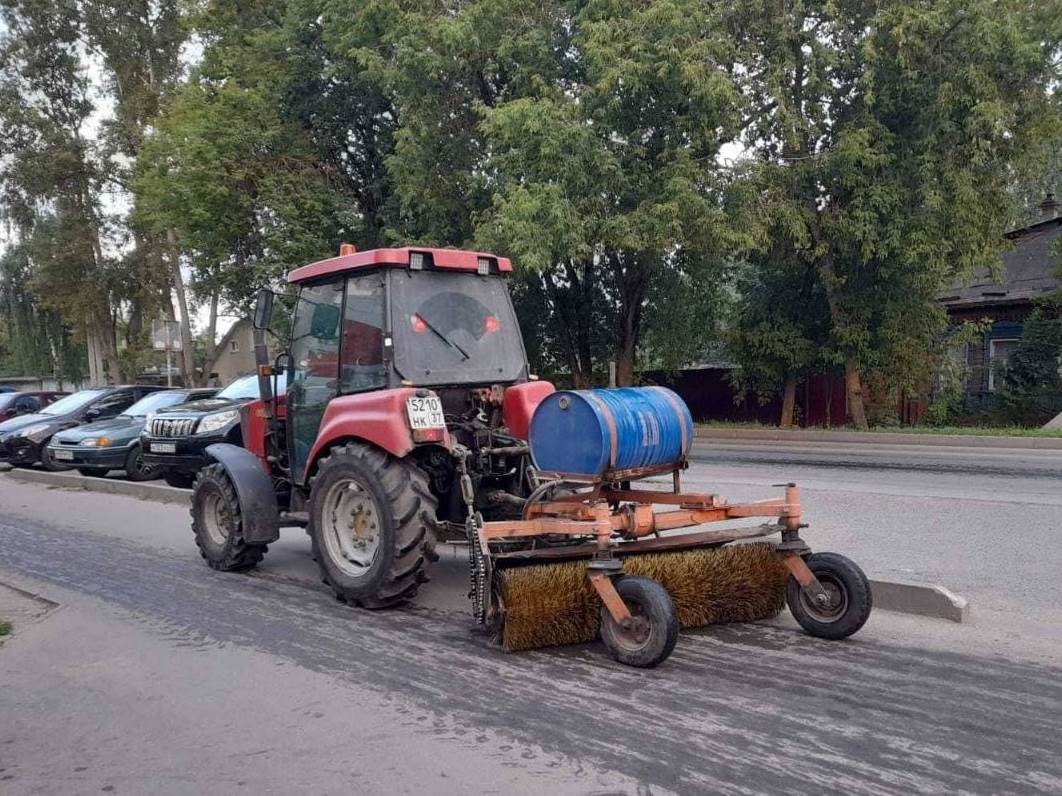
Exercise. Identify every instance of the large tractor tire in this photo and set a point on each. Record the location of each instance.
(371, 518)
(217, 523)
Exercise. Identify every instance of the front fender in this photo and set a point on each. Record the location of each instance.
(378, 417)
(254, 489)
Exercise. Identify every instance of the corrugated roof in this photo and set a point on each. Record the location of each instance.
(1028, 271)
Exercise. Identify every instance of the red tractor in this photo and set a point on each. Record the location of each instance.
(407, 420)
(406, 369)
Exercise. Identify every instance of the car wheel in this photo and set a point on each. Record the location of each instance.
(135, 469)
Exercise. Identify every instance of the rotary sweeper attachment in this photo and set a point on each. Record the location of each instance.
(592, 556)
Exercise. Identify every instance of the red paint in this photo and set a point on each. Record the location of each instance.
(491, 324)
(520, 403)
(254, 425)
(444, 259)
(377, 417)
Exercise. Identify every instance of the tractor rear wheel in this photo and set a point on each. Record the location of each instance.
(217, 523)
(371, 519)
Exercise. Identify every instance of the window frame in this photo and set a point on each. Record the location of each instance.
(992, 359)
(385, 332)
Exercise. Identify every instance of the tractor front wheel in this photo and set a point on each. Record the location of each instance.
(217, 523)
(370, 522)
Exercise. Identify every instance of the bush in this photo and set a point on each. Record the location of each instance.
(1031, 392)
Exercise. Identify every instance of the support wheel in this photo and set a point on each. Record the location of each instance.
(371, 519)
(849, 595)
(654, 627)
(217, 525)
(135, 469)
(179, 480)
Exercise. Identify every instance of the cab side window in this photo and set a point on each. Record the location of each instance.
(363, 330)
(112, 405)
(26, 404)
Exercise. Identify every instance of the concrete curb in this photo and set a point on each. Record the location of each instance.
(142, 490)
(927, 600)
(878, 437)
(920, 599)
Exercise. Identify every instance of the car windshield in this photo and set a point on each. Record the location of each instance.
(72, 403)
(6, 399)
(454, 328)
(154, 402)
(246, 387)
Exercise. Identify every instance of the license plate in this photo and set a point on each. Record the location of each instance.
(63, 456)
(163, 447)
(425, 413)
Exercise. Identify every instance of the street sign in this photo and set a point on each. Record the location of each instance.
(165, 335)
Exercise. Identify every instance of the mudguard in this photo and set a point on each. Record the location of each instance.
(254, 488)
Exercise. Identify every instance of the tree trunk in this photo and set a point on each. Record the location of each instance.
(187, 358)
(633, 287)
(625, 362)
(788, 402)
(853, 388)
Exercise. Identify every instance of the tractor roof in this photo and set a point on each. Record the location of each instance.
(438, 259)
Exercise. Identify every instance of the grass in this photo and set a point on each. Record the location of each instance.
(5, 628)
(978, 431)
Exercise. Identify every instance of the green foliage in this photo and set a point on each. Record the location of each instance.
(1031, 391)
(886, 134)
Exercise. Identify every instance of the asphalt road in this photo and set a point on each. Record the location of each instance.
(158, 674)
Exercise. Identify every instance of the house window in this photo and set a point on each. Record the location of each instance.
(999, 352)
(234, 346)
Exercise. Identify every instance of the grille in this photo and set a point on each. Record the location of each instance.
(162, 427)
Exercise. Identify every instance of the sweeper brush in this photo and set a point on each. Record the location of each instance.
(592, 554)
(551, 604)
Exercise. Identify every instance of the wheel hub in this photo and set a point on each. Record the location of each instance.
(351, 527)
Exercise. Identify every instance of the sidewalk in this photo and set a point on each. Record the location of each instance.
(877, 438)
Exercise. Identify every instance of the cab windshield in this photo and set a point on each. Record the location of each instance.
(72, 402)
(246, 388)
(154, 402)
(454, 328)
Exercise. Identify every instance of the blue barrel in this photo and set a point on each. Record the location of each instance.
(590, 432)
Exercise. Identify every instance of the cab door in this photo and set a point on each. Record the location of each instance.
(313, 380)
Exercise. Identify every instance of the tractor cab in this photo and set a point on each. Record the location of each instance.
(412, 350)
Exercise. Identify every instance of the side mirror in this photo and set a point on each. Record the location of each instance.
(93, 413)
(263, 309)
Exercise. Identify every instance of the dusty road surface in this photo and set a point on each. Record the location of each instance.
(148, 672)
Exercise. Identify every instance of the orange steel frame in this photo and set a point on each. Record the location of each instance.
(606, 513)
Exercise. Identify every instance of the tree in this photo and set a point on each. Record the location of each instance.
(51, 175)
(885, 135)
(1031, 392)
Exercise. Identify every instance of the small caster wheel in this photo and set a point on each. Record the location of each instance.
(848, 603)
(653, 630)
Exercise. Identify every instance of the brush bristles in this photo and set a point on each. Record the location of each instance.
(550, 604)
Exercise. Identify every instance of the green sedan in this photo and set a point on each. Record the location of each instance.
(114, 444)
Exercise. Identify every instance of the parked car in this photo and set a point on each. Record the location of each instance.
(7, 389)
(24, 439)
(97, 448)
(13, 404)
(175, 439)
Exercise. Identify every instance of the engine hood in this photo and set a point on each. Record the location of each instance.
(25, 421)
(118, 428)
(204, 406)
